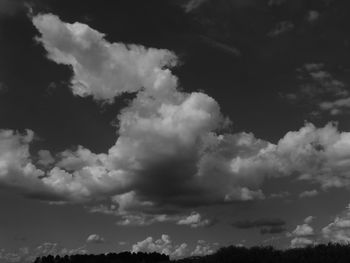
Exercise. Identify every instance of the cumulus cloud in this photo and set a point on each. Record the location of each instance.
(204, 248)
(162, 129)
(95, 239)
(303, 230)
(303, 234)
(339, 230)
(163, 245)
(169, 155)
(101, 69)
(195, 220)
(301, 242)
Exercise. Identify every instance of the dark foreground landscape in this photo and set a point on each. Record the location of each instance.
(334, 253)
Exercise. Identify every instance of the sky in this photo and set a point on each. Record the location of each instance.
(175, 126)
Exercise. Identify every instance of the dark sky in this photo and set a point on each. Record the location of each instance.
(172, 125)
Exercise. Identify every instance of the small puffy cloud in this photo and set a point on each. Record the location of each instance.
(303, 230)
(339, 230)
(204, 248)
(192, 5)
(95, 239)
(163, 245)
(336, 107)
(313, 16)
(310, 193)
(281, 28)
(309, 219)
(320, 90)
(303, 234)
(299, 242)
(194, 220)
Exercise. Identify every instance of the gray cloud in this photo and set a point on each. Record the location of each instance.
(320, 90)
(95, 239)
(258, 223)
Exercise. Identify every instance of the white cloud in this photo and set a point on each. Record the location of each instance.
(301, 242)
(339, 230)
(163, 245)
(194, 220)
(95, 238)
(204, 248)
(303, 234)
(168, 156)
(162, 128)
(101, 69)
(309, 219)
(303, 230)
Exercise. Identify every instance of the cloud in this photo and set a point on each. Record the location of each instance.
(193, 5)
(303, 234)
(204, 248)
(26, 254)
(195, 220)
(303, 230)
(309, 219)
(163, 245)
(313, 16)
(169, 156)
(310, 193)
(320, 90)
(281, 28)
(95, 239)
(227, 48)
(299, 242)
(101, 69)
(162, 128)
(246, 224)
(339, 230)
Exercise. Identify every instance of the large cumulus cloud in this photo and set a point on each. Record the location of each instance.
(169, 154)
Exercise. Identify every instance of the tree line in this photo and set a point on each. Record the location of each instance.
(323, 253)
